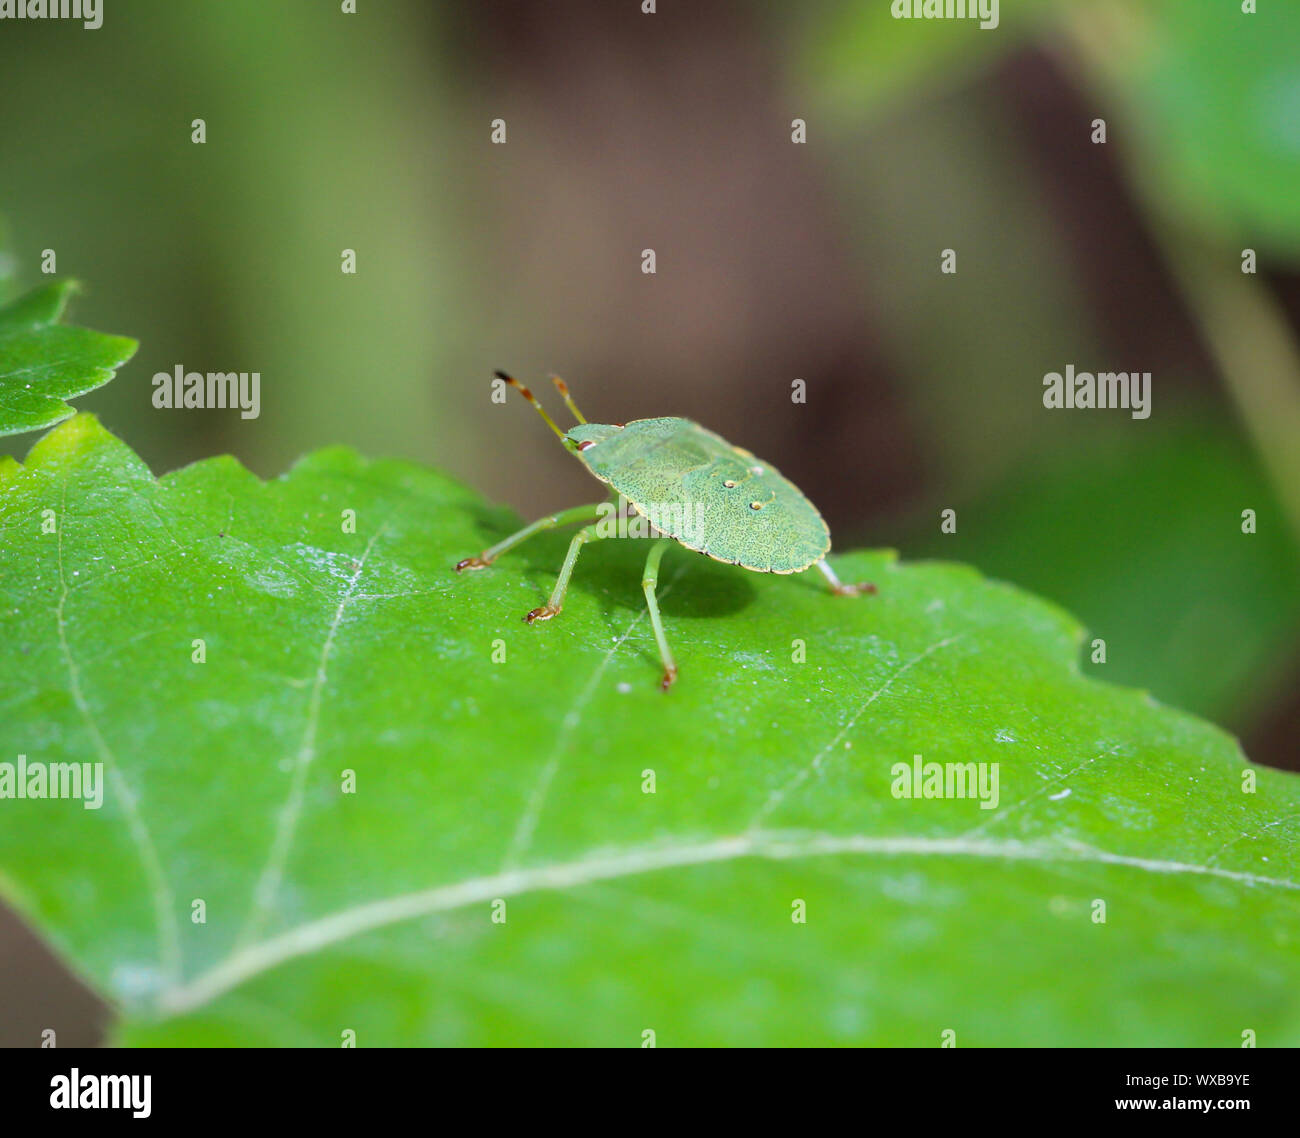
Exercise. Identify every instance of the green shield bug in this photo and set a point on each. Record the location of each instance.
(692, 487)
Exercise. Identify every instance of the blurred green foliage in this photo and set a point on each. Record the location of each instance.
(1215, 97)
(1136, 527)
(324, 132)
(1189, 607)
(863, 57)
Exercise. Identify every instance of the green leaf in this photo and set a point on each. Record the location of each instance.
(42, 362)
(332, 654)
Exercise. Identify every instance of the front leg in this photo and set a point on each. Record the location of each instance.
(563, 518)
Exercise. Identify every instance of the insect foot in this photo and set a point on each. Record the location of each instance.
(543, 613)
(854, 590)
(670, 675)
(472, 563)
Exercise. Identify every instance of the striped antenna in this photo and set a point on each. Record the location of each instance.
(510, 379)
(563, 389)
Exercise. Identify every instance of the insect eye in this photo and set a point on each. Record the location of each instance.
(729, 484)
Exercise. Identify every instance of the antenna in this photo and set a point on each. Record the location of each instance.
(510, 379)
(563, 389)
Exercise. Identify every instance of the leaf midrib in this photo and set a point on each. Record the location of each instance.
(774, 845)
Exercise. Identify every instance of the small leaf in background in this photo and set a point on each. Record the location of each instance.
(1216, 97)
(43, 362)
(347, 789)
(857, 56)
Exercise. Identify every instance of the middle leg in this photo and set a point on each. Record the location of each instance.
(650, 582)
(548, 610)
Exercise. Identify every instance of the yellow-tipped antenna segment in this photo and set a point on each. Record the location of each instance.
(510, 379)
(563, 389)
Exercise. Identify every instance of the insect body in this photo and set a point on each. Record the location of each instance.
(694, 488)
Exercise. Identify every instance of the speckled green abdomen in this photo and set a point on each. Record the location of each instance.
(697, 488)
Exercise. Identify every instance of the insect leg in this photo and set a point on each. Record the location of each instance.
(563, 518)
(649, 581)
(838, 587)
(548, 610)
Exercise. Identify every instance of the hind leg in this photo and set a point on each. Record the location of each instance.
(837, 587)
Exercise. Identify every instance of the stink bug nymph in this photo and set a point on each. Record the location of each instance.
(694, 488)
